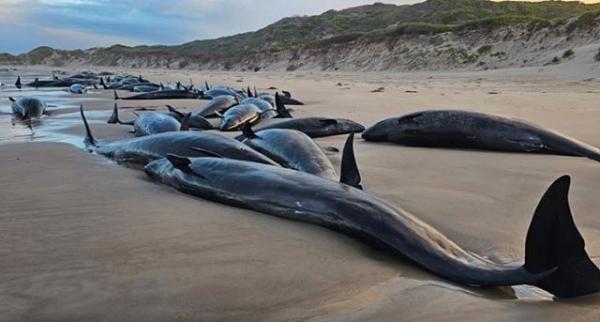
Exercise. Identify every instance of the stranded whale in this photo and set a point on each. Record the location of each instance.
(142, 150)
(555, 257)
(472, 130)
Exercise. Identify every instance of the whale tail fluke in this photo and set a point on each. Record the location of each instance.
(89, 140)
(553, 242)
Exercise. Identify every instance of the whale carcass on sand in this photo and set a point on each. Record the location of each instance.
(472, 130)
(142, 150)
(28, 107)
(292, 149)
(555, 257)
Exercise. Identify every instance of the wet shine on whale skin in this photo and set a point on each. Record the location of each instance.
(472, 130)
(293, 149)
(556, 260)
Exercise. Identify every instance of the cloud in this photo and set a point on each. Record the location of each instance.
(69, 24)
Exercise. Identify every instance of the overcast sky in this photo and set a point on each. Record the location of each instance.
(70, 24)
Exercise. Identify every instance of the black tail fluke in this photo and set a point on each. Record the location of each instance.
(349, 172)
(89, 140)
(282, 111)
(553, 242)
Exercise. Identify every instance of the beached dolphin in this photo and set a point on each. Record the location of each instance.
(161, 94)
(284, 99)
(28, 107)
(240, 115)
(269, 111)
(217, 105)
(195, 121)
(142, 150)
(292, 149)
(145, 88)
(78, 89)
(220, 91)
(315, 127)
(151, 123)
(65, 82)
(555, 256)
(472, 130)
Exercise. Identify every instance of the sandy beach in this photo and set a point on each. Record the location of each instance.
(85, 239)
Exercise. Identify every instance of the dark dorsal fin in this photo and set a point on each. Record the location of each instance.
(161, 86)
(206, 85)
(102, 82)
(179, 162)
(10, 98)
(116, 95)
(89, 138)
(554, 242)
(329, 121)
(248, 92)
(255, 92)
(18, 82)
(173, 110)
(36, 82)
(350, 174)
(185, 122)
(206, 153)
(248, 132)
(282, 112)
(114, 117)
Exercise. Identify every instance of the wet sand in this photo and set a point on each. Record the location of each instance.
(85, 239)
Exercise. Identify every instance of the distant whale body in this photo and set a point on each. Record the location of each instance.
(472, 130)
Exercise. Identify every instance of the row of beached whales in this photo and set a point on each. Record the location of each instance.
(279, 170)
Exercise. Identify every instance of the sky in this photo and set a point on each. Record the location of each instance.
(73, 24)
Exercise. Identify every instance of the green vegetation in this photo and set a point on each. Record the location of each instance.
(371, 23)
(568, 53)
(484, 50)
(587, 20)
